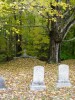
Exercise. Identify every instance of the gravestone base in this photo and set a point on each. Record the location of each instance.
(37, 86)
(61, 84)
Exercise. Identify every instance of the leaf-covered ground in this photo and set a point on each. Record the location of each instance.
(18, 74)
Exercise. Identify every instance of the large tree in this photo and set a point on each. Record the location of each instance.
(60, 17)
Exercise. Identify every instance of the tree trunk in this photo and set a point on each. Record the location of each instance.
(18, 45)
(18, 37)
(54, 51)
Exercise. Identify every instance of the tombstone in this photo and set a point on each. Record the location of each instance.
(63, 76)
(2, 83)
(38, 79)
(24, 53)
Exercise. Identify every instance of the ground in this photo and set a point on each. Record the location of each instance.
(18, 74)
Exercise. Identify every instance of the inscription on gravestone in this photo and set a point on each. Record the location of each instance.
(38, 79)
(63, 76)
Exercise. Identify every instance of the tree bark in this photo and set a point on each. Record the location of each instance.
(54, 51)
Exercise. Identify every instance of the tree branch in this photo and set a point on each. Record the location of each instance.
(69, 40)
(67, 27)
(69, 11)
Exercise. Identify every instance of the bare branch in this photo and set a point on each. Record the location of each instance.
(69, 40)
(68, 12)
(67, 28)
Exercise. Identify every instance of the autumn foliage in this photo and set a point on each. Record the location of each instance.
(19, 73)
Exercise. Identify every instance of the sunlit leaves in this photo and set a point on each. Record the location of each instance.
(47, 9)
(4, 9)
(7, 32)
(15, 30)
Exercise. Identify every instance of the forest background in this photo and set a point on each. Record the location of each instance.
(22, 31)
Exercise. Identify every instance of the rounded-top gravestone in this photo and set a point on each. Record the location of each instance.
(38, 79)
(38, 75)
(63, 76)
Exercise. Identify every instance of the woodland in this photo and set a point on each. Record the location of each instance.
(45, 30)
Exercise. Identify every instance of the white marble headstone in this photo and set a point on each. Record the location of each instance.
(38, 75)
(63, 76)
(38, 79)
